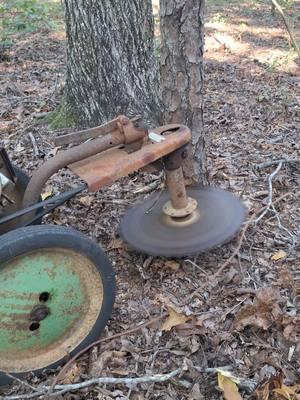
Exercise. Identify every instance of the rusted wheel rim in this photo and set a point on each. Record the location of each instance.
(50, 301)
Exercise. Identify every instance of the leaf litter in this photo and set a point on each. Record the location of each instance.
(248, 318)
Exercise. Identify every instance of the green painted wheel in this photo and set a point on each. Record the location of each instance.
(56, 295)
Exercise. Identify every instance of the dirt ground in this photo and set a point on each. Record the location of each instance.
(242, 316)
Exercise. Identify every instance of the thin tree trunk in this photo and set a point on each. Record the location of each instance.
(111, 67)
(292, 38)
(182, 25)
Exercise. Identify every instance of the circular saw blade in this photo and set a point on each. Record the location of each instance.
(218, 218)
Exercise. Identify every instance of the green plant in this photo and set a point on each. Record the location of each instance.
(276, 62)
(20, 16)
(219, 18)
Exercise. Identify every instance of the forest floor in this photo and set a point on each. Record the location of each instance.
(242, 316)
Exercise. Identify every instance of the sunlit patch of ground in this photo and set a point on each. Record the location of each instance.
(251, 33)
(58, 35)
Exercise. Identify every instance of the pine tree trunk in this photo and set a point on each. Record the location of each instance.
(111, 67)
(182, 26)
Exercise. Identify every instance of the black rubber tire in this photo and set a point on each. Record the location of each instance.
(24, 240)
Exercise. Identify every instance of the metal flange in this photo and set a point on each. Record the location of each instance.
(171, 211)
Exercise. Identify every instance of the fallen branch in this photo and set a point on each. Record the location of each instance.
(34, 145)
(292, 38)
(270, 205)
(196, 266)
(62, 389)
(97, 342)
(43, 390)
(151, 187)
(275, 162)
(24, 383)
(270, 196)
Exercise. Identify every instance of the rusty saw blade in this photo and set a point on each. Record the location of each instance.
(218, 218)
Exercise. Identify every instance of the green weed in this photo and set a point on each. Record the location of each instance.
(218, 18)
(21, 16)
(276, 62)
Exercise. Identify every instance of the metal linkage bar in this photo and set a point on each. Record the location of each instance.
(46, 206)
(127, 132)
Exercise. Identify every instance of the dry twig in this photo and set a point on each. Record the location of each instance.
(24, 383)
(97, 342)
(34, 145)
(270, 196)
(275, 162)
(293, 40)
(43, 390)
(270, 205)
(62, 389)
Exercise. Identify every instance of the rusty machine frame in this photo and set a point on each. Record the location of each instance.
(117, 149)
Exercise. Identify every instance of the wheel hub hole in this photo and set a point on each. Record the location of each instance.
(34, 326)
(44, 297)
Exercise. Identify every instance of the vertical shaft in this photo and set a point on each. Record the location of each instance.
(176, 187)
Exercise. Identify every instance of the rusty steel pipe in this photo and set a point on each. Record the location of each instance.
(179, 205)
(174, 177)
(176, 187)
(62, 159)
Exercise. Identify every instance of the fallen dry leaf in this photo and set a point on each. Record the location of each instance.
(174, 318)
(264, 392)
(72, 374)
(229, 387)
(46, 195)
(292, 333)
(291, 327)
(191, 328)
(113, 358)
(115, 244)
(274, 385)
(86, 200)
(288, 392)
(173, 265)
(262, 312)
(278, 255)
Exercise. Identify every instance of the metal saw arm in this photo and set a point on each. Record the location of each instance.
(98, 166)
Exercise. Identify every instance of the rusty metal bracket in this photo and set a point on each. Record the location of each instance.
(101, 161)
(115, 138)
(129, 127)
(103, 169)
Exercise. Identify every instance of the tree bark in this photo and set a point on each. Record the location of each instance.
(111, 67)
(182, 26)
